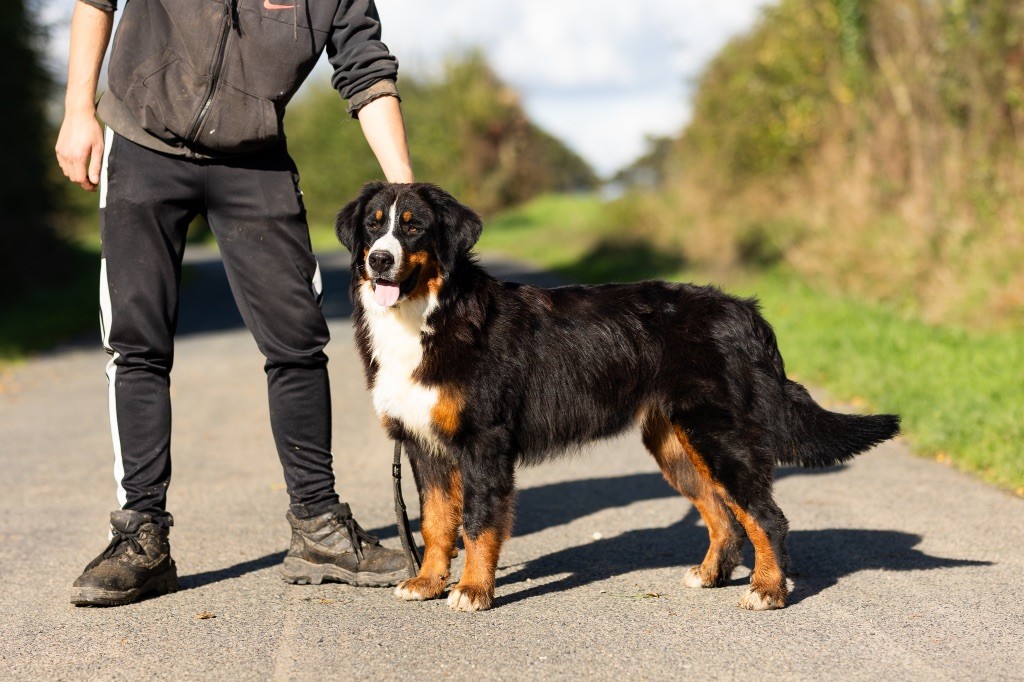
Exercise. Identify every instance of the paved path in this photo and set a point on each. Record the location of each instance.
(908, 570)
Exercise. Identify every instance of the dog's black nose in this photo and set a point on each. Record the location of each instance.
(380, 261)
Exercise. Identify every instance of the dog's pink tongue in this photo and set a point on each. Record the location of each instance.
(385, 293)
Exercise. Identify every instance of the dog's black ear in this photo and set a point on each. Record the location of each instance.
(349, 224)
(460, 226)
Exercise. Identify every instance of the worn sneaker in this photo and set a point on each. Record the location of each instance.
(333, 547)
(136, 562)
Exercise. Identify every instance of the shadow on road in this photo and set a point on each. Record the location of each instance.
(196, 580)
(819, 557)
(824, 556)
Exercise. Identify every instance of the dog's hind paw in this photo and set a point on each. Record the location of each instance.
(467, 598)
(420, 589)
(755, 600)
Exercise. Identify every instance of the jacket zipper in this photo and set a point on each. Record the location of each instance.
(218, 63)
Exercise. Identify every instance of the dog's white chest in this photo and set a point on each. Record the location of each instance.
(395, 341)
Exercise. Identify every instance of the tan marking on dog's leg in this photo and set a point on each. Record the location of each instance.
(441, 514)
(767, 582)
(475, 591)
(671, 454)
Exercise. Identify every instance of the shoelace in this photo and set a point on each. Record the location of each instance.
(119, 540)
(357, 536)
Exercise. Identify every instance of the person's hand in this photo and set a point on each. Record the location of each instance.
(80, 149)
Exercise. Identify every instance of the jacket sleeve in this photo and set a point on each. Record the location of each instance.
(105, 5)
(364, 69)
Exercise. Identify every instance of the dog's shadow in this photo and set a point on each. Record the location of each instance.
(819, 558)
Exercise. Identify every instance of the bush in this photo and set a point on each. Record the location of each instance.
(874, 146)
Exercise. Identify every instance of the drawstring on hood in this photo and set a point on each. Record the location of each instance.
(233, 12)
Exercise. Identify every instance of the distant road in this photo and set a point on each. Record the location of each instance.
(907, 569)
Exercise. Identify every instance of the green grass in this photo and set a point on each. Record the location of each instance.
(961, 394)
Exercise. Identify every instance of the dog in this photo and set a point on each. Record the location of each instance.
(475, 376)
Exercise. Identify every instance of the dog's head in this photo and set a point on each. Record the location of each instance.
(403, 238)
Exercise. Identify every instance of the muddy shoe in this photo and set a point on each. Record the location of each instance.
(334, 548)
(135, 563)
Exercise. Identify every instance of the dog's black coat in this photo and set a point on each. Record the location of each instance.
(542, 370)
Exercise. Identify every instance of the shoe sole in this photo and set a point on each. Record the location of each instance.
(300, 572)
(164, 583)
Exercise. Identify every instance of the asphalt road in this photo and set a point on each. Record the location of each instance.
(907, 569)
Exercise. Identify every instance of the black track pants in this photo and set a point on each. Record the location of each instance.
(254, 208)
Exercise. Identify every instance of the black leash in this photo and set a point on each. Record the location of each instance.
(401, 516)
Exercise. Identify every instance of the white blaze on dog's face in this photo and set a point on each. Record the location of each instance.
(399, 256)
(384, 260)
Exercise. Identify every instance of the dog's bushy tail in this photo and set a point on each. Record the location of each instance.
(821, 438)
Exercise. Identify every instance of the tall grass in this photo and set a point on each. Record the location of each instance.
(875, 147)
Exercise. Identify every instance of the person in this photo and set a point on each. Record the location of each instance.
(193, 113)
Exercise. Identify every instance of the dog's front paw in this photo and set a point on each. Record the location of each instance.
(470, 598)
(699, 576)
(694, 578)
(420, 589)
(761, 600)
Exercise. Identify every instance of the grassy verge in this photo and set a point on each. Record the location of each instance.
(960, 393)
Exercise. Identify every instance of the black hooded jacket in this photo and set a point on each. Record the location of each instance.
(210, 78)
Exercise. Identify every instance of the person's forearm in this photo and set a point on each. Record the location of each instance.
(90, 34)
(80, 141)
(384, 130)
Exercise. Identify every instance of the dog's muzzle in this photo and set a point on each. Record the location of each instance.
(383, 272)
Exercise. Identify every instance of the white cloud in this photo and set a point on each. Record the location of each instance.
(600, 74)
(607, 131)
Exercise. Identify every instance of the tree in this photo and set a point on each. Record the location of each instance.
(31, 248)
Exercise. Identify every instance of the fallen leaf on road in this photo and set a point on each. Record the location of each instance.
(205, 615)
(637, 595)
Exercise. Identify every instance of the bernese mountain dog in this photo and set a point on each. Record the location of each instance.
(476, 376)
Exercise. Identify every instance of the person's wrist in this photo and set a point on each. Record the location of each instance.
(404, 178)
(79, 108)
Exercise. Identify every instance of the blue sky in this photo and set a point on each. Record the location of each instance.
(602, 75)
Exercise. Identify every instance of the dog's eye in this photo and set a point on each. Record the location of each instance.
(412, 229)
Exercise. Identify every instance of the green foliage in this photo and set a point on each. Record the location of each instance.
(467, 132)
(32, 252)
(763, 101)
(959, 392)
(49, 312)
(876, 147)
